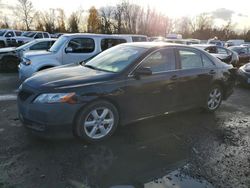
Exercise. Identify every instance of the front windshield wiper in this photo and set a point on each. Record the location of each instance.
(90, 66)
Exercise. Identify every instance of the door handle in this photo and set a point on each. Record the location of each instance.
(212, 72)
(174, 77)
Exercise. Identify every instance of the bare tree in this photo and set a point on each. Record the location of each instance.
(74, 23)
(106, 14)
(25, 12)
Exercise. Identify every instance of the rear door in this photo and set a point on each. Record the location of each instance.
(82, 49)
(194, 76)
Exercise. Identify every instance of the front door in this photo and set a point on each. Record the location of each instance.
(79, 49)
(153, 94)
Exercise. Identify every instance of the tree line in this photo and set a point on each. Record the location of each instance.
(124, 18)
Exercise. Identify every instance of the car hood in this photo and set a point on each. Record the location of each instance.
(23, 38)
(36, 53)
(5, 50)
(247, 67)
(68, 76)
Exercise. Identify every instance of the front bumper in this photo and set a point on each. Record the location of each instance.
(45, 118)
(24, 72)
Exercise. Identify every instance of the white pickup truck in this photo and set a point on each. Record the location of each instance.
(7, 37)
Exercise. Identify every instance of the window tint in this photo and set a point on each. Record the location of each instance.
(109, 42)
(222, 51)
(139, 39)
(45, 35)
(243, 51)
(40, 46)
(211, 50)
(160, 61)
(190, 59)
(18, 33)
(82, 45)
(9, 34)
(39, 36)
(207, 62)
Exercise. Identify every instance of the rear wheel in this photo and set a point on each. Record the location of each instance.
(96, 122)
(2, 44)
(214, 98)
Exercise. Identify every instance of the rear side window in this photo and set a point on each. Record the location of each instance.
(45, 35)
(190, 59)
(139, 39)
(82, 45)
(41, 46)
(207, 63)
(18, 33)
(109, 42)
(222, 51)
(160, 61)
(39, 36)
(211, 50)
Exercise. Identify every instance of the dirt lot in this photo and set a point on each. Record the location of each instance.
(187, 149)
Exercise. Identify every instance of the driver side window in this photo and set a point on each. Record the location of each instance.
(160, 61)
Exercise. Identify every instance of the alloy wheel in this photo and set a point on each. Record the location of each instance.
(214, 99)
(99, 122)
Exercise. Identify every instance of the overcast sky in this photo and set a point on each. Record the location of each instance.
(239, 10)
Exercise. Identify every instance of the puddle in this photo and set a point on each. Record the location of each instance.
(178, 179)
(8, 97)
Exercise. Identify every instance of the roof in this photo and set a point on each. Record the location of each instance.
(151, 44)
(46, 39)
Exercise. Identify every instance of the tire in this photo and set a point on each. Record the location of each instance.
(214, 98)
(10, 64)
(96, 122)
(2, 44)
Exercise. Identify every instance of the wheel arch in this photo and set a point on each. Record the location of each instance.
(102, 98)
(222, 85)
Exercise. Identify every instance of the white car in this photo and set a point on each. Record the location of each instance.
(10, 57)
(6, 37)
(69, 48)
(29, 36)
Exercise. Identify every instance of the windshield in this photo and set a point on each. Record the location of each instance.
(58, 44)
(116, 59)
(2, 32)
(236, 49)
(29, 34)
(26, 45)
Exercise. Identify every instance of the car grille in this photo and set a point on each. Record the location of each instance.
(24, 95)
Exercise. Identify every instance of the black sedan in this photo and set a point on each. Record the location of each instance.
(126, 83)
(244, 74)
(223, 54)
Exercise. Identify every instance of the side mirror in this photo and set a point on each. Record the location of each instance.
(143, 71)
(69, 50)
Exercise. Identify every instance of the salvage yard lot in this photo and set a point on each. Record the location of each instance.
(210, 147)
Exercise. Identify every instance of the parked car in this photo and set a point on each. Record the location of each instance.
(10, 57)
(215, 42)
(133, 38)
(70, 48)
(29, 36)
(243, 53)
(226, 55)
(244, 74)
(234, 42)
(123, 84)
(6, 37)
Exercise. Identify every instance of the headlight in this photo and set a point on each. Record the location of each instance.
(49, 98)
(26, 61)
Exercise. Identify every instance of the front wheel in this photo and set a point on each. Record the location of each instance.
(96, 121)
(214, 98)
